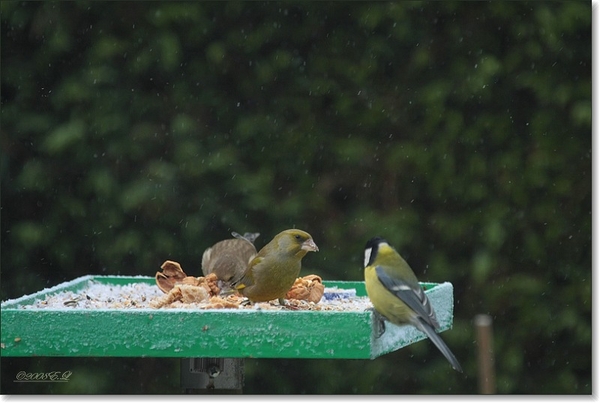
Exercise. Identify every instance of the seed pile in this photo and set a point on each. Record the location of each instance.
(148, 296)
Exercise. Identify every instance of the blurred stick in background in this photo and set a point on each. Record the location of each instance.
(485, 354)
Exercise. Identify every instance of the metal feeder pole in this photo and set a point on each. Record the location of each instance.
(212, 375)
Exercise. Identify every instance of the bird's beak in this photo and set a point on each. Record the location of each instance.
(310, 246)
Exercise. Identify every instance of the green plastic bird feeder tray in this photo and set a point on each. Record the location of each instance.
(184, 333)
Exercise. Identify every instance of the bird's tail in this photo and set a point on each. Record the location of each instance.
(439, 343)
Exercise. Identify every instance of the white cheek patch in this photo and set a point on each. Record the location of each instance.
(368, 256)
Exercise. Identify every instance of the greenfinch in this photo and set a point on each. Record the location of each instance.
(273, 271)
(229, 258)
(396, 294)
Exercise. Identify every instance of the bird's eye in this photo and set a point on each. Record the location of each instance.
(297, 236)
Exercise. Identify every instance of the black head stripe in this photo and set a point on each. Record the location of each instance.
(371, 249)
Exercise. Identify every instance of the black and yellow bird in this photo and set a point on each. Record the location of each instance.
(396, 294)
(271, 274)
(229, 259)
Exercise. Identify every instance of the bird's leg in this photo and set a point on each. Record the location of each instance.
(378, 323)
(285, 305)
(246, 302)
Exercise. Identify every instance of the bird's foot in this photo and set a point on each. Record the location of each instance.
(246, 302)
(378, 323)
(284, 304)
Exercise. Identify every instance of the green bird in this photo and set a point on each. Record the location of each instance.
(396, 294)
(271, 274)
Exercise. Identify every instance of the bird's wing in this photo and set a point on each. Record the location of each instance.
(248, 277)
(412, 296)
(254, 261)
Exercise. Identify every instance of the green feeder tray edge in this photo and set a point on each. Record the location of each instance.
(228, 333)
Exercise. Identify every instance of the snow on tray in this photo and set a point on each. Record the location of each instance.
(143, 296)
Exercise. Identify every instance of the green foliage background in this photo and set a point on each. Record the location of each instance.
(135, 132)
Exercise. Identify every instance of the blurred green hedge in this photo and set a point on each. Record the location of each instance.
(135, 132)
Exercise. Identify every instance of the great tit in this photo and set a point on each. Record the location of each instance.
(396, 294)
